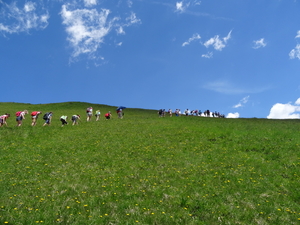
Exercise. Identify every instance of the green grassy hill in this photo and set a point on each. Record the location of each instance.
(148, 170)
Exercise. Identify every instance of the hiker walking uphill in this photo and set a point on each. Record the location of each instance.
(47, 117)
(3, 119)
(20, 115)
(34, 117)
(63, 120)
(89, 113)
(75, 119)
(108, 115)
(120, 112)
(97, 115)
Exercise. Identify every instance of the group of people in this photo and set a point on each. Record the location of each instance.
(206, 113)
(20, 116)
(187, 112)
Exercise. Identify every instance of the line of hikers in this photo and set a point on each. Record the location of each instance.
(187, 112)
(47, 117)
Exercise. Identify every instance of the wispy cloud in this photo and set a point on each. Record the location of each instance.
(120, 30)
(259, 43)
(242, 102)
(217, 42)
(22, 19)
(132, 19)
(295, 53)
(89, 3)
(207, 55)
(196, 2)
(87, 27)
(226, 87)
(285, 111)
(182, 6)
(129, 3)
(193, 38)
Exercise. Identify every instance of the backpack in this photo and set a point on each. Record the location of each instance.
(88, 110)
(34, 113)
(45, 117)
(107, 114)
(18, 113)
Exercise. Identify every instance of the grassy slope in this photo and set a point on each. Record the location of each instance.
(148, 170)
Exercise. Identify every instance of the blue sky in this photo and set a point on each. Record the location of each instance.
(240, 58)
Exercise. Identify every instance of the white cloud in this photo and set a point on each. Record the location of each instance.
(130, 3)
(285, 111)
(29, 6)
(217, 42)
(295, 53)
(227, 37)
(208, 55)
(86, 29)
(242, 102)
(132, 19)
(30, 16)
(233, 115)
(194, 37)
(259, 43)
(120, 30)
(181, 6)
(89, 3)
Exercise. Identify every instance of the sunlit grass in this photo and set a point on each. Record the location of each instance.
(148, 170)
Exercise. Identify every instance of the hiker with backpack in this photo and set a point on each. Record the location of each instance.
(20, 115)
(3, 119)
(160, 113)
(47, 117)
(120, 113)
(108, 115)
(89, 113)
(34, 116)
(75, 119)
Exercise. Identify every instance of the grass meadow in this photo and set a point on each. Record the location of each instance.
(148, 170)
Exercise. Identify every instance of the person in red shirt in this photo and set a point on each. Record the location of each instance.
(108, 115)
